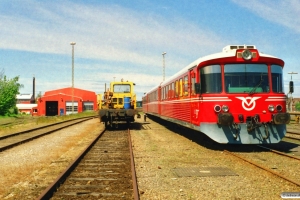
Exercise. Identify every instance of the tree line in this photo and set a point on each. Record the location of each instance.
(9, 88)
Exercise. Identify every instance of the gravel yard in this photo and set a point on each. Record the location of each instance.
(158, 151)
(28, 169)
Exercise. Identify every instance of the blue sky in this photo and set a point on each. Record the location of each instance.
(125, 39)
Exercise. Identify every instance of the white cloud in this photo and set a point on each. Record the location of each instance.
(104, 34)
(281, 12)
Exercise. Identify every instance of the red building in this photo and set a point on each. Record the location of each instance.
(59, 102)
(25, 103)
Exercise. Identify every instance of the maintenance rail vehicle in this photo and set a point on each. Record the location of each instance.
(118, 104)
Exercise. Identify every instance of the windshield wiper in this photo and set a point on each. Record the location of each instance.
(253, 89)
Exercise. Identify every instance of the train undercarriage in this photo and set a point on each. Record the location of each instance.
(112, 117)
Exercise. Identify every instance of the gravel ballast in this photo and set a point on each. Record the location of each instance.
(158, 151)
(28, 169)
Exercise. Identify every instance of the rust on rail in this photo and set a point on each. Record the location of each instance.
(266, 169)
(134, 179)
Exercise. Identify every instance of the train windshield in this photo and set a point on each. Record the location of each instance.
(246, 78)
(277, 80)
(122, 88)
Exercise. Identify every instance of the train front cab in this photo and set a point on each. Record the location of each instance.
(241, 101)
(119, 104)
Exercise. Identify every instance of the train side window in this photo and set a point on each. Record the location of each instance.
(186, 86)
(176, 88)
(193, 79)
(172, 89)
(167, 91)
(277, 79)
(180, 87)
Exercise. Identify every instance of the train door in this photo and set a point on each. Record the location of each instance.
(195, 111)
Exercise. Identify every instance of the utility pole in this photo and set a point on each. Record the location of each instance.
(163, 54)
(72, 43)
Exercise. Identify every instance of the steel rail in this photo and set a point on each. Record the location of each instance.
(291, 137)
(34, 129)
(12, 123)
(292, 132)
(49, 191)
(134, 179)
(266, 169)
(39, 135)
(278, 152)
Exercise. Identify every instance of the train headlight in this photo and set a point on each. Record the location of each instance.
(217, 108)
(271, 108)
(279, 108)
(225, 108)
(247, 54)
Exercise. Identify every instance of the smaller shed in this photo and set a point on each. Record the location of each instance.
(25, 107)
(24, 98)
(62, 102)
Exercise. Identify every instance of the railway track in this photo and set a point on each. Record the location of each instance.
(105, 169)
(11, 140)
(272, 164)
(293, 135)
(8, 124)
(278, 152)
(17, 121)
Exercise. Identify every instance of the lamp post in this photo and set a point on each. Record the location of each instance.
(291, 85)
(72, 43)
(163, 54)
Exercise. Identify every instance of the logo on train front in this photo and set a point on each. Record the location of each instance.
(248, 103)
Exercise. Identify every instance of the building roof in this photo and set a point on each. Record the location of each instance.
(66, 90)
(24, 96)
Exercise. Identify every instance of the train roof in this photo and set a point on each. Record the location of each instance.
(122, 82)
(228, 51)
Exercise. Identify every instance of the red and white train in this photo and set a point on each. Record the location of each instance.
(236, 97)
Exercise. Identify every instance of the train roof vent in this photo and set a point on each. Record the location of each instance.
(234, 47)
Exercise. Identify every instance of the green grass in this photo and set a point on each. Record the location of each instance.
(52, 119)
(20, 121)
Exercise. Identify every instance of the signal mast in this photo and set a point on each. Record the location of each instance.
(291, 90)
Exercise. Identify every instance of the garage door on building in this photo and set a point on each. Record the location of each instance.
(51, 108)
(69, 107)
(88, 106)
